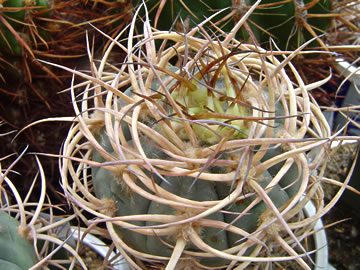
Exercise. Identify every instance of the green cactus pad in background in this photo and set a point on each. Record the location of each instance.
(16, 252)
(18, 16)
(291, 23)
(164, 13)
(10, 46)
(42, 6)
(8, 43)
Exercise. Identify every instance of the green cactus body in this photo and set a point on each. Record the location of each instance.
(194, 11)
(285, 22)
(16, 251)
(42, 5)
(202, 161)
(198, 101)
(8, 42)
(18, 15)
(9, 45)
(108, 186)
(288, 23)
(195, 96)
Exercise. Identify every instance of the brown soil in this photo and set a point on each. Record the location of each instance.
(343, 238)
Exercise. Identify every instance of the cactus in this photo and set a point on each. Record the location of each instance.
(293, 23)
(31, 237)
(346, 31)
(206, 160)
(31, 29)
(14, 15)
(289, 23)
(53, 30)
(12, 244)
(164, 13)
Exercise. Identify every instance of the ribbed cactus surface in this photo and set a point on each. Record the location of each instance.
(193, 94)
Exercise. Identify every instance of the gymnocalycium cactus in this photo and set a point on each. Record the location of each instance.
(208, 157)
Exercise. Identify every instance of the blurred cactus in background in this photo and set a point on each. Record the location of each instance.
(290, 23)
(53, 31)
